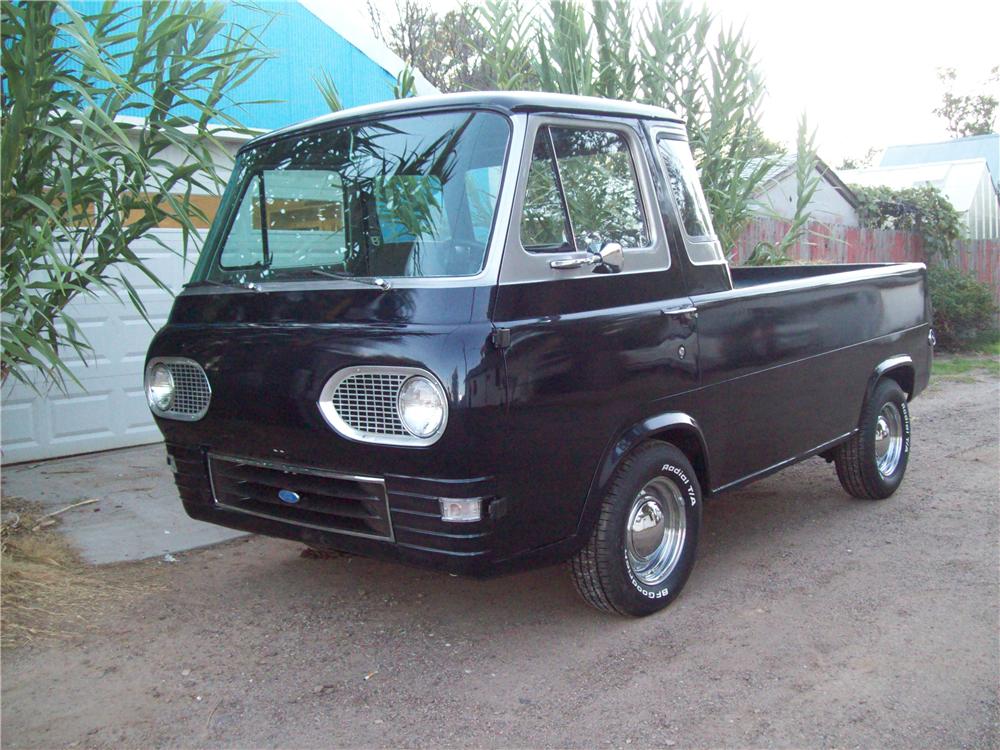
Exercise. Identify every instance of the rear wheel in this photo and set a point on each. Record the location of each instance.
(872, 463)
(643, 545)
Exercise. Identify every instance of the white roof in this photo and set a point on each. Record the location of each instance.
(348, 21)
(958, 180)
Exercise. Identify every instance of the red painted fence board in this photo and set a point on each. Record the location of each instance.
(824, 243)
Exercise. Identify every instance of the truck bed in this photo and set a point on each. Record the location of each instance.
(750, 276)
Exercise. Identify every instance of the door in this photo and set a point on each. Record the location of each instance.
(592, 350)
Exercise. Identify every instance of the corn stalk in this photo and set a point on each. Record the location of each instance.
(565, 63)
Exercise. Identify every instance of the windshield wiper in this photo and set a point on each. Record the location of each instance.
(381, 283)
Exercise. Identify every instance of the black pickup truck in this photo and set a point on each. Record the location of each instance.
(483, 332)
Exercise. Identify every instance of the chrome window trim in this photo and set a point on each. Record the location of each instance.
(293, 469)
(342, 428)
(655, 132)
(522, 266)
(167, 414)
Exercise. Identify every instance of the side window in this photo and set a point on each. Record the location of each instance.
(544, 223)
(599, 182)
(682, 177)
(581, 192)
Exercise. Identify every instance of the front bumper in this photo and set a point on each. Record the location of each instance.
(412, 533)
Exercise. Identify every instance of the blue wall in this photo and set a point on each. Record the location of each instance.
(302, 46)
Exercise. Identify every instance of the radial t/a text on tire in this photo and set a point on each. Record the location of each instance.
(642, 548)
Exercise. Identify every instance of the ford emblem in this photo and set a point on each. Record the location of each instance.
(287, 496)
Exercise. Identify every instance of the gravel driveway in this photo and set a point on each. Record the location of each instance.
(811, 619)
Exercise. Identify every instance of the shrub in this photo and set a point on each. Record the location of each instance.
(925, 210)
(963, 307)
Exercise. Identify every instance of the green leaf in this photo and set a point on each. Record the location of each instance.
(77, 184)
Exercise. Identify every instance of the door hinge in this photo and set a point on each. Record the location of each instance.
(501, 338)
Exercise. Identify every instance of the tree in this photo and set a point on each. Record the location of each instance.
(443, 47)
(79, 184)
(967, 114)
(664, 53)
(867, 160)
(708, 74)
(761, 145)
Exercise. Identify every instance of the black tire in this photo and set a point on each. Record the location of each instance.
(603, 571)
(857, 460)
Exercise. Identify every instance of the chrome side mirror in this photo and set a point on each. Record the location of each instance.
(613, 257)
(610, 259)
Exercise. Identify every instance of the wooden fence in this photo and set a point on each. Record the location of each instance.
(825, 243)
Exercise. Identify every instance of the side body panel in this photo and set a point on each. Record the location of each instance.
(586, 359)
(785, 366)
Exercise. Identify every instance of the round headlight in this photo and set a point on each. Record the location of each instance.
(421, 406)
(160, 388)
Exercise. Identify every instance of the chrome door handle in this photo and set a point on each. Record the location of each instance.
(578, 261)
(690, 310)
(611, 256)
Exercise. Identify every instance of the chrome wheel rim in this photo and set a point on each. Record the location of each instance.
(655, 532)
(888, 439)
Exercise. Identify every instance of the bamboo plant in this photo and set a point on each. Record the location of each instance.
(80, 180)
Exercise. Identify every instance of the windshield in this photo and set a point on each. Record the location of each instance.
(401, 197)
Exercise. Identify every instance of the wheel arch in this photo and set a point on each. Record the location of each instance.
(677, 428)
(899, 368)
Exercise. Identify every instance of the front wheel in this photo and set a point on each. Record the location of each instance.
(871, 464)
(643, 545)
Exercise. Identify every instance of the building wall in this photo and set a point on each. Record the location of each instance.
(302, 47)
(827, 206)
(983, 216)
(966, 184)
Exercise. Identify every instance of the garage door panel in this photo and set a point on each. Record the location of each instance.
(94, 329)
(169, 267)
(19, 424)
(135, 413)
(81, 416)
(136, 341)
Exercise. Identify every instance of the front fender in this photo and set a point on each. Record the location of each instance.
(673, 426)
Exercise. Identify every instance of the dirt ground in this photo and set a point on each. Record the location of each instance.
(811, 620)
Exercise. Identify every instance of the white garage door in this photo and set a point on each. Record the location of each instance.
(110, 411)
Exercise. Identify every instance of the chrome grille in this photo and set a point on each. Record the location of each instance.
(367, 402)
(361, 404)
(192, 392)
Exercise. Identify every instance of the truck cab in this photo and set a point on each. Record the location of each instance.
(490, 331)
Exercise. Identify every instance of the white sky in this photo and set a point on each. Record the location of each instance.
(864, 71)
